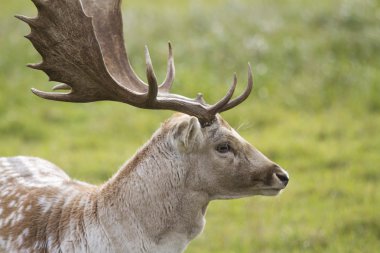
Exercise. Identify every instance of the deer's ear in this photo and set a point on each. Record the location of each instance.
(187, 133)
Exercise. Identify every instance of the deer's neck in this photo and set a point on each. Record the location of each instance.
(148, 205)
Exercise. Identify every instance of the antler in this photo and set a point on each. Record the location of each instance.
(82, 46)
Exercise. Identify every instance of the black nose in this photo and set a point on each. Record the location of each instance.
(283, 178)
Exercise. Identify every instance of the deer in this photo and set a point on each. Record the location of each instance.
(157, 201)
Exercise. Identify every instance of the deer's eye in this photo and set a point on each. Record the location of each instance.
(223, 148)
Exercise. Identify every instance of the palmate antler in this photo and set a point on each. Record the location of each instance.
(82, 46)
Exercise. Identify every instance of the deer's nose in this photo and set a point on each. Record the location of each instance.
(283, 177)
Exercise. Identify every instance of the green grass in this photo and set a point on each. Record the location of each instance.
(315, 110)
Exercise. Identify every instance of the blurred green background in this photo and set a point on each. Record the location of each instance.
(315, 110)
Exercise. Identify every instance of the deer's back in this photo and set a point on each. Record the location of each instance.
(40, 206)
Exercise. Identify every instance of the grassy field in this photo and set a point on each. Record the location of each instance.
(315, 110)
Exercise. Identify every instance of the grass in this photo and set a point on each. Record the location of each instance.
(315, 110)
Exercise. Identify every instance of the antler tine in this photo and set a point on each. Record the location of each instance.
(28, 20)
(244, 95)
(224, 101)
(37, 66)
(167, 84)
(152, 80)
(53, 95)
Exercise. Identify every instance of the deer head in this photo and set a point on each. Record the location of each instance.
(82, 46)
(220, 162)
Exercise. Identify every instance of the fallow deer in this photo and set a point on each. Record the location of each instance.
(157, 201)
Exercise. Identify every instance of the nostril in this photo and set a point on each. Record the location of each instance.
(283, 178)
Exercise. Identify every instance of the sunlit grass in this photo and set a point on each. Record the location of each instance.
(315, 110)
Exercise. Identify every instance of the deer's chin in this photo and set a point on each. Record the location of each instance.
(249, 193)
(271, 191)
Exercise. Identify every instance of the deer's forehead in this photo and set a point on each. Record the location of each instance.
(227, 133)
(224, 123)
(221, 133)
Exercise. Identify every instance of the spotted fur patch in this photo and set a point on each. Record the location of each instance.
(38, 199)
